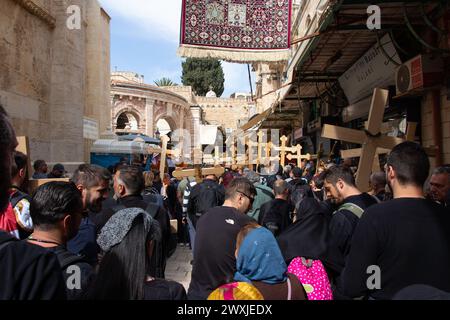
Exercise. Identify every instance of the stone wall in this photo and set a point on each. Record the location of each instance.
(427, 124)
(47, 75)
(225, 112)
(25, 72)
(98, 67)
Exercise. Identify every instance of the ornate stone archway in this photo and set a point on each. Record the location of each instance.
(127, 118)
(148, 104)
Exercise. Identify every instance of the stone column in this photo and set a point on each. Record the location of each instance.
(149, 105)
(196, 122)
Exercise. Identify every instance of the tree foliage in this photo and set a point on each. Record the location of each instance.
(165, 82)
(202, 74)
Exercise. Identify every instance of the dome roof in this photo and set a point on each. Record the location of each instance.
(211, 94)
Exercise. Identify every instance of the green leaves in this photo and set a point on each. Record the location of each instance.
(164, 82)
(202, 74)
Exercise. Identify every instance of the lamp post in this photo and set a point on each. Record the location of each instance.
(157, 134)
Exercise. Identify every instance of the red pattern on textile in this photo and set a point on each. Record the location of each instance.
(8, 221)
(241, 24)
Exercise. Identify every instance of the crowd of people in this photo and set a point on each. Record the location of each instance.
(304, 233)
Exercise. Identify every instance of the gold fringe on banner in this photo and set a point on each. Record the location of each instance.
(233, 55)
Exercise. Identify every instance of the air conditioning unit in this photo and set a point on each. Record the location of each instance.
(417, 74)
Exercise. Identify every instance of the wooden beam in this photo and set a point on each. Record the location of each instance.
(24, 147)
(365, 166)
(34, 184)
(376, 113)
(343, 134)
(162, 164)
(356, 153)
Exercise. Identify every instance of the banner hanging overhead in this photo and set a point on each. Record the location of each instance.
(237, 31)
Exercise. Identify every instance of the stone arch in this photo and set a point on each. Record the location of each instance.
(134, 117)
(172, 123)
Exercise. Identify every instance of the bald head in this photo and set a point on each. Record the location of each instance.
(281, 189)
(378, 181)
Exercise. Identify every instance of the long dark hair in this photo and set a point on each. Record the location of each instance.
(123, 270)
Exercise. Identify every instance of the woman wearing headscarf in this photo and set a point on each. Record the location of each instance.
(126, 242)
(261, 264)
(308, 238)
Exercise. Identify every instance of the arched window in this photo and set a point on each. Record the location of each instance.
(122, 121)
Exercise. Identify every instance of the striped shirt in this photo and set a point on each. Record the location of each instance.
(187, 193)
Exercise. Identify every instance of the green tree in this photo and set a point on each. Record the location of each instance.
(201, 74)
(165, 82)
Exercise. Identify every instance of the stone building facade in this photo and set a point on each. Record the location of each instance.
(53, 78)
(137, 107)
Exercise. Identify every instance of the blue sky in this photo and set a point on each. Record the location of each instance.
(145, 37)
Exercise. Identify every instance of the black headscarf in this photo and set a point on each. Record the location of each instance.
(309, 237)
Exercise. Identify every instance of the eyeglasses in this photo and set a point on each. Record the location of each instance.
(252, 199)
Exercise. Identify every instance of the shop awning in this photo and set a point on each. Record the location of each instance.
(256, 120)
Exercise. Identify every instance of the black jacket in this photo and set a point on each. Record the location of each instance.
(28, 272)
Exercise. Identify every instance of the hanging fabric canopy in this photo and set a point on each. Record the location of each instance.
(239, 31)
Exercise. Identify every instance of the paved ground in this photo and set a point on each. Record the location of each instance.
(179, 267)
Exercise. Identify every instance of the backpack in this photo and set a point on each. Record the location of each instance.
(18, 196)
(313, 277)
(353, 208)
(207, 198)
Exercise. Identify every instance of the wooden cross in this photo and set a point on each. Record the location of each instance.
(356, 153)
(24, 147)
(282, 150)
(33, 184)
(260, 145)
(296, 153)
(198, 173)
(319, 156)
(370, 138)
(163, 151)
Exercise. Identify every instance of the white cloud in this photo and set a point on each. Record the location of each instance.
(158, 19)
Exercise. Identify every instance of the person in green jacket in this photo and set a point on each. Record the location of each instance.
(263, 194)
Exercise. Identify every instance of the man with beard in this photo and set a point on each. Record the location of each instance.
(128, 187)
(340, 187)
(93, 183)
(401, 242)
(57, 210)
(27, 272)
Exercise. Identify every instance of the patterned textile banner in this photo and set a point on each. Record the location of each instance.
(236, 30)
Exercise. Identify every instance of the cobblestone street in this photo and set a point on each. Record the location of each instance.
(179, 266)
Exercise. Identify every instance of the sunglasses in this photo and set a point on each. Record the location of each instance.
(252, 199)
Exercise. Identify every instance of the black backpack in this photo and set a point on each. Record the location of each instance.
(207, 198)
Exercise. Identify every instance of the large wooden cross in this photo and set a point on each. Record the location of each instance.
(198, 172)
(33, 184)
(370, 138)
(356, 153)
(164, 152)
